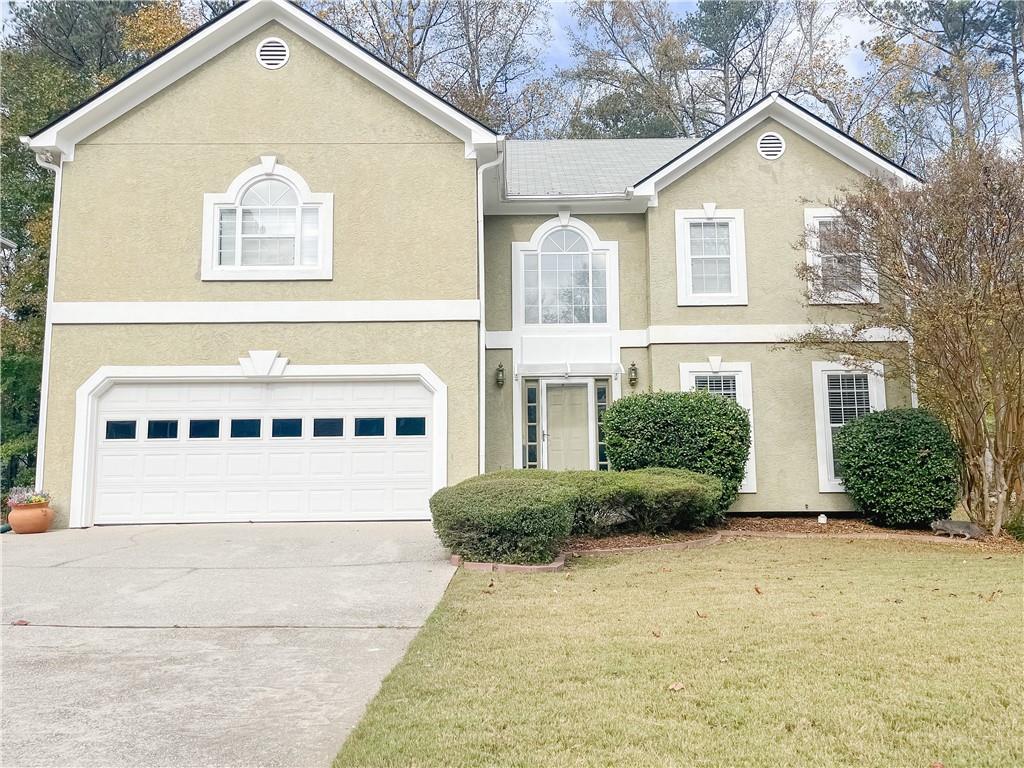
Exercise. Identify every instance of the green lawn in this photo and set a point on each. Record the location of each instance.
(751, 653)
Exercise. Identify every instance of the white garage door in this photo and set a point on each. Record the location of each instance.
(241, 451)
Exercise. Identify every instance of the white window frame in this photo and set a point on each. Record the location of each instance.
(268, 168)
(869, 280)
(820, 369)
(685, 297)
(688, 373)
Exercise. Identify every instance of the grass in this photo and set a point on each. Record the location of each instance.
(749, 653)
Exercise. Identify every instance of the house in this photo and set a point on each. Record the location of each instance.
(289, 283)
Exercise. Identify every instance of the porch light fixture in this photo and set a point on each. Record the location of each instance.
(634, 374)
(499, 375)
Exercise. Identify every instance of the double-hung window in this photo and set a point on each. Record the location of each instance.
(268, 226)
(841, 395)
(730, 380)
(841, 276)
(710, 257)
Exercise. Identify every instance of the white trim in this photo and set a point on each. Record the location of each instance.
(141, 312)
(51, 281)
(268, 168)
(869, 284)
(786, 113)
(86, 400)
(685, 297)
(827, 483)
(754, 333)
(744, 396)
(221, 34)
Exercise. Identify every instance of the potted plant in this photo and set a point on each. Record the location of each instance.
(30, 510)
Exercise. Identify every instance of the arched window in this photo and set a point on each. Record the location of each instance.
(565, 281)
(268, 226)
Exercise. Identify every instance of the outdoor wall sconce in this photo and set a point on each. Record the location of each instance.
(634, 374)
(499, 375)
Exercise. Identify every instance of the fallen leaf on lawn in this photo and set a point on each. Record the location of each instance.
(656, 632)
(676, 686)
(490, 587)
(19, 623)
(701, 615)
(723, 660)
(758, 590)
(936, 764)
(817, 614)
(665, 570)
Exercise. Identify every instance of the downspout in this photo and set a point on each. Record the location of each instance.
(480, 288)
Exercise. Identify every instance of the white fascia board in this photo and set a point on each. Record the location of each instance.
(207, 43)
(143, 312)
(780, 109)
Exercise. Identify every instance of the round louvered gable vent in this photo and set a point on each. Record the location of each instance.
(771, 146)
(272, 53)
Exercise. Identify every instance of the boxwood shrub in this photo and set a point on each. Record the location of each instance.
(900, 467)
(698, 431)
(525, 516)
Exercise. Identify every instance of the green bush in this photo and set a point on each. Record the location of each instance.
(1015, 527)
(504, 519)
(901, 467)
(698, 431)
(525, 515)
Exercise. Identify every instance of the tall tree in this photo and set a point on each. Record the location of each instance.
(1006, 42)
(949, 258)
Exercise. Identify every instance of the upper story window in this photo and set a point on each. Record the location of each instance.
(710, 257)
(268, 226)
(566, 277)
(565, 282)
(842, 278)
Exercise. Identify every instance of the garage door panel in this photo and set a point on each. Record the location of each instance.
(291, 477)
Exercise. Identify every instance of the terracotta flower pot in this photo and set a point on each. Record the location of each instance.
(31, 518)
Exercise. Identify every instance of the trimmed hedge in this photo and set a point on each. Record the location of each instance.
(525, 515)
(901, 467)
(698, 431)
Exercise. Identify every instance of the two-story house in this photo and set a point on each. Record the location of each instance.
(289, 283)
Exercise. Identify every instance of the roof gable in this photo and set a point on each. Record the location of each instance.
(61, 135)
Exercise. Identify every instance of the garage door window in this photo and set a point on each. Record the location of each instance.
(286, 428)
(163, 429)
(410, 426)
(369, 427)
(203, 429)
(328, 427)
(120, 430)
(245, 428)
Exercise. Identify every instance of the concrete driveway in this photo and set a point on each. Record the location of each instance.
(205, 645)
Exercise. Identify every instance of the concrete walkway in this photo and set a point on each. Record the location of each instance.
(205, 645)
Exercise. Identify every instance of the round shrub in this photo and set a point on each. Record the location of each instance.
(504, 519)
(698, 431)
(901, 467)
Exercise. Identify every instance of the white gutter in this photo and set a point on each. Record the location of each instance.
(480, 288)
(626, 194)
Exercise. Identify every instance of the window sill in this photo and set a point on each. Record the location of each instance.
(267, 274)
(711, 301)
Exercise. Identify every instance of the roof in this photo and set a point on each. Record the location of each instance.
(62, 133)
(576, 167)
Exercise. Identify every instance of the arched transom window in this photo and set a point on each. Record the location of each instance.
(565, 281)
(269, 226)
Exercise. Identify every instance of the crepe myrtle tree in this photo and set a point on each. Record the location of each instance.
(947, 258)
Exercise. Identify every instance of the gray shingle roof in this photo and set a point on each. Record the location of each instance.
(584, 166)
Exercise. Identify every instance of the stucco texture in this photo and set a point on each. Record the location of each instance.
(772, 195)
(449, 349)
(784, 429)
(627, 229)
(404, 193)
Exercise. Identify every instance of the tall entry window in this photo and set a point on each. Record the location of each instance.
(565, 282)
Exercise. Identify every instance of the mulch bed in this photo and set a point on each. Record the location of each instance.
(835, 527)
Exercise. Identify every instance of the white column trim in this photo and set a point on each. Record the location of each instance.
(141, 312)
(86, 400)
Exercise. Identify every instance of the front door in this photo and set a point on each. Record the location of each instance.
(567, 429)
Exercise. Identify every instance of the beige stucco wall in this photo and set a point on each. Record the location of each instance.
(404, 193)
(772, 195)
(784, 429)
(628, 230)
(500, 452)
(448, 349)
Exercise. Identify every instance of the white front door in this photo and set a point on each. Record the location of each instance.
(568, 425)
(263, 451)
